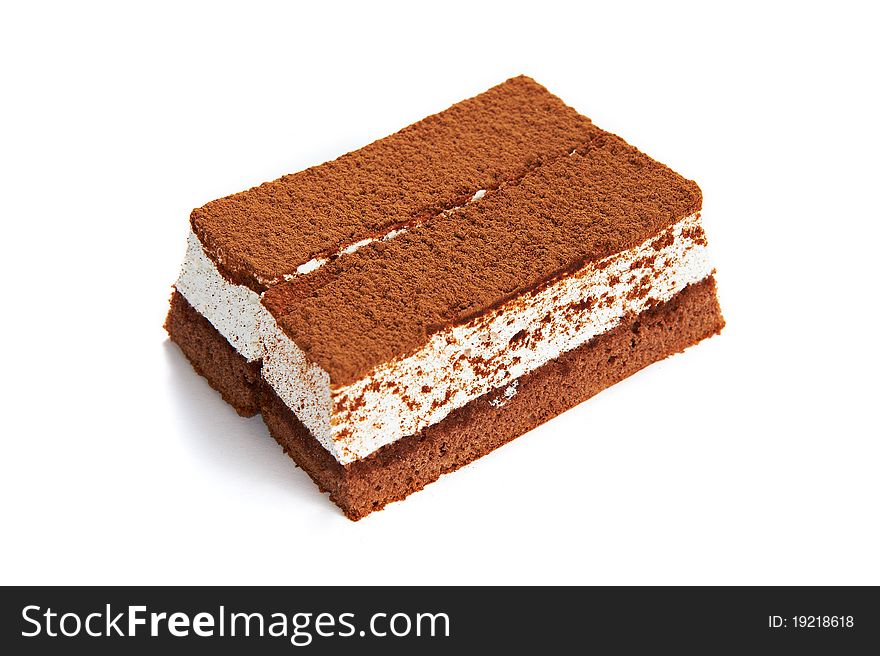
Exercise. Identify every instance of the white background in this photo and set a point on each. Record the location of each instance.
(751, 458)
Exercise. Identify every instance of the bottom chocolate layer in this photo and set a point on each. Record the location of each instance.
(212, 356)
(407, 465)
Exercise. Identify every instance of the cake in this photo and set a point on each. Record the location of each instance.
(405, 309)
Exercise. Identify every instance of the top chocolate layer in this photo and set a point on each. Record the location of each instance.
(261, 234)
(385, 300)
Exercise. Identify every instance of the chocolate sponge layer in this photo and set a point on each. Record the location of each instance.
(407, 465)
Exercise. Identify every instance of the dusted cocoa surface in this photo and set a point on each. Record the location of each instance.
(385, 300)
(258, 235)
(560, 193)
(213, 357)
(405, 466)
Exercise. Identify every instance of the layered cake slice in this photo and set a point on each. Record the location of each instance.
(420, 332)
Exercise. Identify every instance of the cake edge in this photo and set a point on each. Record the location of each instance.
(213, 357)
(407, 465)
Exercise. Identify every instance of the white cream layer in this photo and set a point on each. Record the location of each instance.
(234, 310)
(462, 363)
